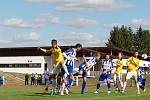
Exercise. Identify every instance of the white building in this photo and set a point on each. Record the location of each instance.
(30, 60)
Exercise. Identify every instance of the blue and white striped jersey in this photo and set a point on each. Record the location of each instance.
(107, 64)
(69, 57)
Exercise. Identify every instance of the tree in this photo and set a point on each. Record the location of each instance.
(123, 37)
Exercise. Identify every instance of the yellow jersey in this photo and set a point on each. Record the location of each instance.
(57, 55)
(119, 66)
(133, 64)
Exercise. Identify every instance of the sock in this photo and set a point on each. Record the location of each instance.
(121, 84)
(98, 86)
(70, 81)
(116, 85)
(137, 86)
(108, 84)
(124, 87)
(62, 87)
(53, 84)
(83, 86)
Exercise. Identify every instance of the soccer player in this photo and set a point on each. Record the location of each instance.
(69, 57)
(141, 79)
(106, 74)
(118, 73)
(88, 63)
(58, 61)
(132, 63)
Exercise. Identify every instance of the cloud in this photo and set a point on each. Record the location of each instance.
(84, 5)
(6, 42)
(37, 22)
(111, 25)
(33, 36)
(16, 22)
(81, 23)
(48, 17)
(86, 39)
(140, 22)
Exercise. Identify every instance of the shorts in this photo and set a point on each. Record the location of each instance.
(104, 76)
(140, 79)
(117, 76)
(70, 69)
(82, 68)
(131, 74)
(56, 70)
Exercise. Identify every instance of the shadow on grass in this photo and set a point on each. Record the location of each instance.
(38, 94)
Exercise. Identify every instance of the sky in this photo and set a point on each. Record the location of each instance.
(36, 22)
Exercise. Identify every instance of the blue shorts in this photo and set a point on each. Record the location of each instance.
(70, 69)
(140, 79)
(82, 67)
(104, 76)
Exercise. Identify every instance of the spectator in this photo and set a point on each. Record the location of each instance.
(1, 80)
(40, 79)
(26, 79)
(32, 79)
(36, 79)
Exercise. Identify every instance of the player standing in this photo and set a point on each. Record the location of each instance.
(106, 74)
(118, 73)
(132, 63)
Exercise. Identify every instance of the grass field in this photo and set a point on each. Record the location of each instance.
(36, 93)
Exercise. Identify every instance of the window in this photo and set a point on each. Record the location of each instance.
(31, 65)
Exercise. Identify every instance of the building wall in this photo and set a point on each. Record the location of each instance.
(23, 60)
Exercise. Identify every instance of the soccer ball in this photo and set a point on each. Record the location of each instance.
(144, 56)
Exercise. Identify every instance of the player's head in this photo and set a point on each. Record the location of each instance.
(107, 56)
(120, 55)
(97, 56)
(78, 47)
(54, 43)
(136, 54)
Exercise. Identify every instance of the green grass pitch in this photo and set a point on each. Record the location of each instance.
(36, 93)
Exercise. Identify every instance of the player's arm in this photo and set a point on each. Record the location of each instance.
(128, 61)
(45, 50)
(89, 67)
(69, 52)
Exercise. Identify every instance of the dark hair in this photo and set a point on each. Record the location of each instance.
(78, 45)
(54, 41)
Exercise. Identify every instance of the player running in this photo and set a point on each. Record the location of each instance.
(118, 73)
(141, 79)
(88, 63)
(58, 63)
(69, 57)
(132, 63)
(106, 74)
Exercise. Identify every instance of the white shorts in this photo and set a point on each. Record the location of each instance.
(131, 74)
(117, 76)
(56, 69)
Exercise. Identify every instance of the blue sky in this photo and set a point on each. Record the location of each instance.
(36, 22)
